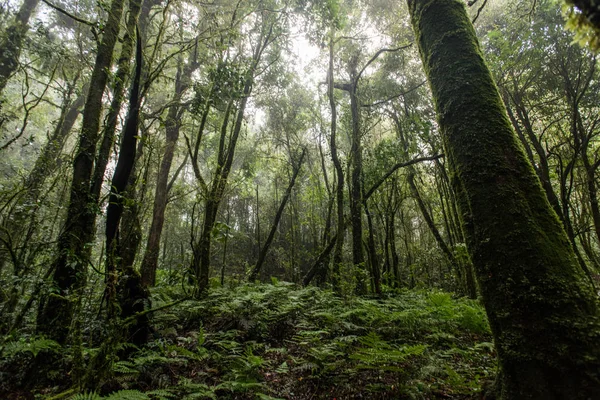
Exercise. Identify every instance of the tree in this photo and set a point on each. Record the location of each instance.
(11, 44)
(71, 263)
(123, 283)
(263, 251)
(530, 280)
(238, 90)
(172, 128)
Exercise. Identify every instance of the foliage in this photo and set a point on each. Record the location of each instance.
(278, 340)
(586, 32)
(32, 345)
(273, 340)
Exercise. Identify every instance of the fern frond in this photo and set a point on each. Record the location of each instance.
(33, 346)
(128, 395)
(86, 396)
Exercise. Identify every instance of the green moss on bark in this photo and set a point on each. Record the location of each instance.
(543, 312)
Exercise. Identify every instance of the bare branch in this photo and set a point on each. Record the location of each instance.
(479, 11)
(94, 25)
(395, 168)
(378, 103)
(380, 52)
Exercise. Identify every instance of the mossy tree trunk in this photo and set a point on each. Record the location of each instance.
(123, 169)
(339, 171)
(10, 47)
(543, 312)
(70, 266)
(172, 129)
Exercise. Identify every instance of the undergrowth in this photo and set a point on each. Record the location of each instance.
(282, 341)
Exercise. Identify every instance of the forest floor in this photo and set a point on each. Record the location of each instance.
(279, 341)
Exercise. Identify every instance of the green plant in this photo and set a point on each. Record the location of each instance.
(379, 354)
(32, 345)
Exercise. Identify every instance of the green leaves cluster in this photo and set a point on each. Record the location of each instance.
(272, 340)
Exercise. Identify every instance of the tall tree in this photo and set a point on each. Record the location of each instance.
(123, 283)
(531, 283)
(70, 266)
(11, 44)
(339, 170)
(263, 251)
(267, 34)
(172, 128)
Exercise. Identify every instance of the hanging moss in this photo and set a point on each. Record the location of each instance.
(543, 312)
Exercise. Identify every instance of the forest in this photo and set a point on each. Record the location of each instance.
(299, 199)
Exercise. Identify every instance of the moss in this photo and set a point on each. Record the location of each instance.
(543, 313)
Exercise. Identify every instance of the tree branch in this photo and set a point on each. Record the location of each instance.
(94, 25)
(395, 96)
(395, 168)
(479, 10)
(380, 52)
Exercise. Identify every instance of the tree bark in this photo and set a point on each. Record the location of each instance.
(124, 285)
(339, 192)
(542, 310)
(172, 128)
(127, 152)
(372, 253)
(71, 263)
(10, 48)
(358, 257)
(121, 76)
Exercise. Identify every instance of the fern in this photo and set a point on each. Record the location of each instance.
(33, 346)
(162, 394)
(86, 396)
(120, 395)
(125, 367)
(378, 354)
(189, 390)
(128, 395)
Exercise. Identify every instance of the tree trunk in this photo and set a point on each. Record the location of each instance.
(430, 223)
(124, 283)
(318, 265)
(172, 127)
(590, 180)
(71, 263)
(372, 253)
(121, 76)
(10, 48)
(339, 194)
(542, 310)
(201, 249)
(358, 257)
(263, 252)
(394, 251)
(127, 152)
